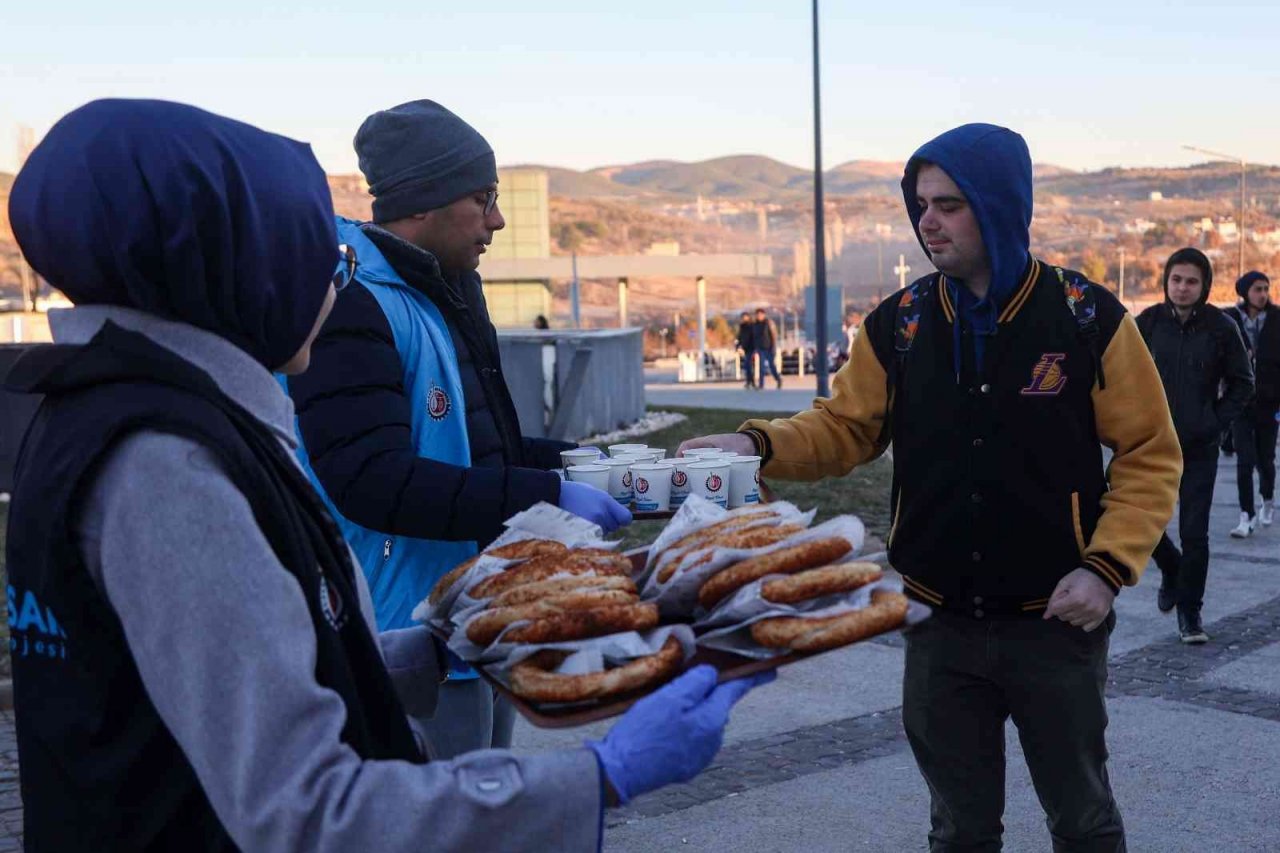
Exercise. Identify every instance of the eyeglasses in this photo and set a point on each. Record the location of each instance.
(346, 268)
(490, 201)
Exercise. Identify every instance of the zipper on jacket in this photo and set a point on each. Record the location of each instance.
(386, 550)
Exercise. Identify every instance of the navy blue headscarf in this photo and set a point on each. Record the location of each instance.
(183, 214)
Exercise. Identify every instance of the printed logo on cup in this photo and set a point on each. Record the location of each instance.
(438, 403)
(679, 479)
(626, 480)
(756, 474)
(642, 485)
(714, 483)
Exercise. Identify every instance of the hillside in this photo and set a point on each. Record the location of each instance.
(765, 180)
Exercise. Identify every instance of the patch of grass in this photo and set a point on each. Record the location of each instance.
(864, 492)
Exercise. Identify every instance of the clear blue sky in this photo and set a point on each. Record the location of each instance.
(593, 82)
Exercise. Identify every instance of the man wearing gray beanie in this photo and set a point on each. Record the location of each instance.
(1254, 432)
(406, 420)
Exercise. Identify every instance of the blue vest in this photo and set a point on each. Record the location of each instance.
(401, 570)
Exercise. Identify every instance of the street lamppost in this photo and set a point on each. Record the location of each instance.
(819, 242)
(1240, 258)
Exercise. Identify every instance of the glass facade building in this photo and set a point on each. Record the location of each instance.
(523, 200)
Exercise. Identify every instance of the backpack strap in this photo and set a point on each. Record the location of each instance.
(906, 322)
(1083, 304)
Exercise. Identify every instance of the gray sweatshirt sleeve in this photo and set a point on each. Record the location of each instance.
(225, 647)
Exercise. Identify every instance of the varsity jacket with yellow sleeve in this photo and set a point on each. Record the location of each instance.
(999, 488)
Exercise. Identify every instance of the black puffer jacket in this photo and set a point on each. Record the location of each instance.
(355, 418)
(1195, 359)
(492, 425)
(1266, 358)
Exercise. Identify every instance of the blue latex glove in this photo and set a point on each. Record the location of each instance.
(670, 735)
(593, 505)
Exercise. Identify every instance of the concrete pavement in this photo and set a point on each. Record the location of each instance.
(661, 389)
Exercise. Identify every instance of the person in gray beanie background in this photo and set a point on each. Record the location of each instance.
(406, 421)
(1254, 432)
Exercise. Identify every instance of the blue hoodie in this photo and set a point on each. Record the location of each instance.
(992, 167)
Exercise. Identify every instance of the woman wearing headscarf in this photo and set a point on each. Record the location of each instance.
(195, 661)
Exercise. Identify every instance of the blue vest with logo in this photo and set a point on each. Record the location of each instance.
(401, 570)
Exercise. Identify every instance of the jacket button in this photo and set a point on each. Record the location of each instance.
(977, 600)
(985, 389)
(977, 442)
(977, 557)
(978, 614)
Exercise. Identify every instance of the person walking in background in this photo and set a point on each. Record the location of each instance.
(1254, 432)
(764, 336)
(998, 380)
(747, 349)
(540, 323)
(1198, 351)
(407, 424)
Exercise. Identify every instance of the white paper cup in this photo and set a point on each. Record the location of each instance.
(619, 449)
(592, 475)
(662, 453)
(744, 481)
(642, 455)
(651, 483)
(702, 451)
(619, 479)
(710, 479)
(578, 456)
(680, 478)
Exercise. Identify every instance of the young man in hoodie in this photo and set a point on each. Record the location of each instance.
(764, 338)
(995, 379)
(747, 349)
(195, 660)
(408, 426)
(1208, 381)
(1255, 430)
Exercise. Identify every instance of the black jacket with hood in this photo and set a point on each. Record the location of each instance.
(1203, 365)
(1266, 356)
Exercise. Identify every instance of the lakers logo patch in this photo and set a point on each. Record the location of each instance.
(1047, 377)
(438, 403)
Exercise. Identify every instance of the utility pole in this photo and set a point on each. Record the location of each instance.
(1240, 224)
(702, 328)
(574, 298)
(819, 227)
(1120, 294)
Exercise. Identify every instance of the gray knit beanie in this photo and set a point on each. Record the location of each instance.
(418, 157)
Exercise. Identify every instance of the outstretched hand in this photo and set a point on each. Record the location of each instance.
(735, 441)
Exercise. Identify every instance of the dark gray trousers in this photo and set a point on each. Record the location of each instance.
(964, 678)
(1187, 570)
(1255, 440)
